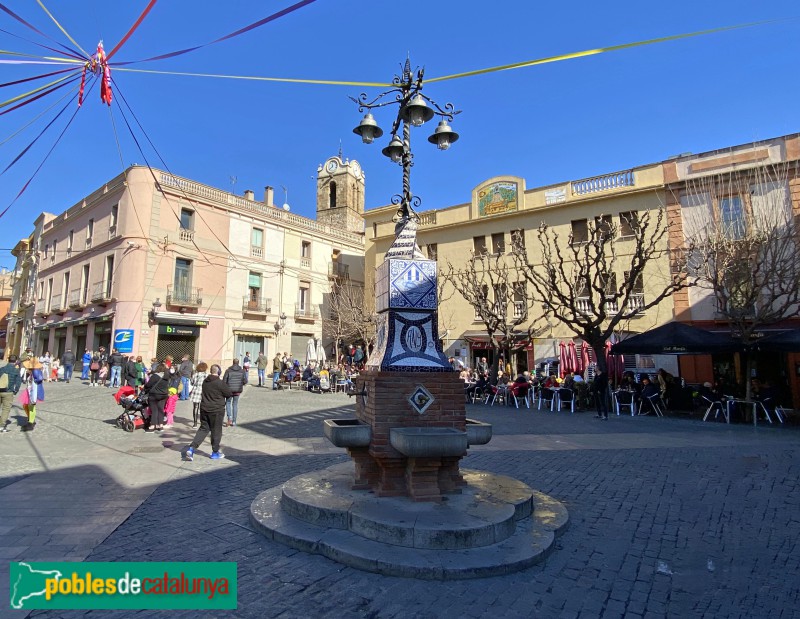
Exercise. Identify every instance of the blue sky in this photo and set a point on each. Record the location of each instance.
(550, 123)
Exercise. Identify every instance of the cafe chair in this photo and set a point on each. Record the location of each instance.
(521, 393)
(546, 397)
(655, 403)
(340, 385)
(717, 407)
(624, 400)
(566, 397)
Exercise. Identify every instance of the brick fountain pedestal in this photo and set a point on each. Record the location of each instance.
(407, 508)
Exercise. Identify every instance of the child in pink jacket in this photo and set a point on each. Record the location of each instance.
(169, 406)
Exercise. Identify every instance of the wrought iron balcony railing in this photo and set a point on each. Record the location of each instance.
(184, 296)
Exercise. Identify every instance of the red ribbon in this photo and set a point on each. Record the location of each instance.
(83, 84)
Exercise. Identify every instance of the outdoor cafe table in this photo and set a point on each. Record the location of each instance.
(754, 403)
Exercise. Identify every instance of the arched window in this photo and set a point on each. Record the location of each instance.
(333, 195)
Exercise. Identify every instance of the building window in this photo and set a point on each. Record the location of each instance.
(500, 300)
(69, 242)
(305, 250)
(628, 223)
(432, 249)
(498, 243)
(482, 301)
(304, 298)
(183, 278)
(732, 217)
(604, 226)
(636, 299)
(332, 195)
(520, 302)
(257, 243)
(55, 249)
(49, 293)
(112, 224)
(479, 245)
(187, 219)
(109, 278)
(518, 239)
(89, 232)
(254, 286)
(580, 231)
(46, 250)
(85, 284)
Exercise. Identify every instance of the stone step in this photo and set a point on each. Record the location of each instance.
(483, 514)
(530, 542)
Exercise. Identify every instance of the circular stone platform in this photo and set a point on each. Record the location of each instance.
(495, 526)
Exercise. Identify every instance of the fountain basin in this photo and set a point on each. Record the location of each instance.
(347, 432)
(478, 432)
(428, 442)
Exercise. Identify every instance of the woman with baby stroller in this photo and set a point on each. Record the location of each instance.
(157, 390)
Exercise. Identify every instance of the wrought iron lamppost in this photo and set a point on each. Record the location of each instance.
(415, 108)
(280, 324)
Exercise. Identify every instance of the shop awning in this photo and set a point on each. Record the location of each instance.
(480, 339)
(254, 333)
(175, 318)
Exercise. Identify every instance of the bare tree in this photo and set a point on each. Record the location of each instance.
(595, 281)
(493, 289)
(350, 314)
(745, 247)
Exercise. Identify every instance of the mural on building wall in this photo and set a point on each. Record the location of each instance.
(497, 198)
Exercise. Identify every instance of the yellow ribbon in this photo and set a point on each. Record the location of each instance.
(61, 28)
(592, 52)
(261, 78)
(516, 65)
(56, 58)
(68, 76)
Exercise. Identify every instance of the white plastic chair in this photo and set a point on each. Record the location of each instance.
(624, 399)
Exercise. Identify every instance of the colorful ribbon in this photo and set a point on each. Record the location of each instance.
(132, 29)
(71, 52)
(61, 28)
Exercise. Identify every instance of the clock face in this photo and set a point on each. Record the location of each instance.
(332, 166)
(355, 167)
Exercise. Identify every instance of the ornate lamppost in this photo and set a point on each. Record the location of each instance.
(414, 109)
(405, 284)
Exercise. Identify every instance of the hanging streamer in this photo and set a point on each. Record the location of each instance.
(34, 91)
(252, 26)
(61, 28)
(132, 29)
(35, 77)
(39, 96)
(52, 49)
(72, 52)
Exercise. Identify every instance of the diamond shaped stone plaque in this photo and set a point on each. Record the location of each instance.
(421, 399)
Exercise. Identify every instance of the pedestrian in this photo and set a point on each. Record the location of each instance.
(216, 394)
(277, 368)
(116, 361)
(130, 372)
(87, 361)
(174, 378)
(185, 371)
(157, 389)
(22, 359)
(47, 361)
(197, 391)
(600, 389)
(234, 378)
(94, 370)
(170, 405)
(246, 367)
(103, 373)
(10, 382)
(140, 371)
(68, 363)
(33, 392)
(261, 366)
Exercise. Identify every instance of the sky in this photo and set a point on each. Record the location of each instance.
(550, 123)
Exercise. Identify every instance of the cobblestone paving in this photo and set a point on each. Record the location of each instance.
(669, 518)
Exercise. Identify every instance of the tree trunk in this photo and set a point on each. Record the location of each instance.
(600, 354)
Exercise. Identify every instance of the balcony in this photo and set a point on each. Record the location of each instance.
(256, 306)
(305, 263)
(635, 303)
(336, 270)
(42, 310)
(583, 306)
(75, 299)
(306, 312)
(184, 296)
(615, 180)
(256, 252)
(57, 306)
(101, 292)
(186, 234)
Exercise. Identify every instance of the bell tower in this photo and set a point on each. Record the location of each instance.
(340, 194)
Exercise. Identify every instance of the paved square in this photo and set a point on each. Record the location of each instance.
(669, 517)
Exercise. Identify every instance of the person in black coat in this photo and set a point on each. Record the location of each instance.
(157, 389)
(215, 395)
(235, 379)
(600, 389)
(130, 372)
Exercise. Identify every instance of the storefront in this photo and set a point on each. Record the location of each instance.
(480, 346)
(79, 332)
(176, 341)
(253, 342)
(102, 334)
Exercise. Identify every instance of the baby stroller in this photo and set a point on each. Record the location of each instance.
(133, 414)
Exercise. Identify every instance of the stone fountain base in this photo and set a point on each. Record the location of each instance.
(496, 525)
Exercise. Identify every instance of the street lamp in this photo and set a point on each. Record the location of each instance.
(154, 311)
(415, 109)
(280, 324)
